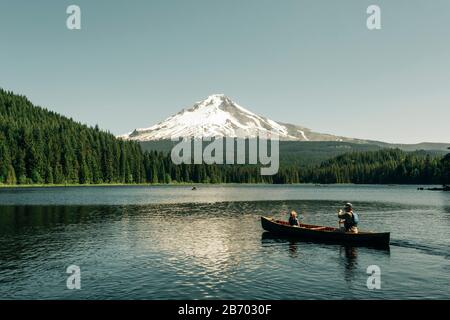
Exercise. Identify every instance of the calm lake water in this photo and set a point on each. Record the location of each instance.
(169, 242)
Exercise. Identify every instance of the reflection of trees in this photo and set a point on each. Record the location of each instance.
(23, 228)
(18, 219)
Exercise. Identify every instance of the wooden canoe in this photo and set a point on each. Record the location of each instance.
(324, 234)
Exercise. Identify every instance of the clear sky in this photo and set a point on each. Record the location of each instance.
(312, 63)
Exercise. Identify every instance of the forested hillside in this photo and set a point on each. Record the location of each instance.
(292, 153)
(389, 166)
(38, 146)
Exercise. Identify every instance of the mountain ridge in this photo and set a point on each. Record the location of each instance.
(219, 116)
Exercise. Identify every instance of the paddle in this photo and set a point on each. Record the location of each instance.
(341, 221)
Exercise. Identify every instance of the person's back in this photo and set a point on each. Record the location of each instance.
(350, 218)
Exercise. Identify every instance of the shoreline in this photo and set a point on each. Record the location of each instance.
(427, 187)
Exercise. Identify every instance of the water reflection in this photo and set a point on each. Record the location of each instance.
(293, 247)
(209, 250)
(347, 255)
(143, 195)
(349, 258)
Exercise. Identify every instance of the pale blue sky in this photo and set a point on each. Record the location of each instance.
(312, 63)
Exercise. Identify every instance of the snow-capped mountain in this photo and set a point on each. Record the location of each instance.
(219, 116)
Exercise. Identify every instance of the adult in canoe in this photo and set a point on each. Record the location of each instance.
(349, 218)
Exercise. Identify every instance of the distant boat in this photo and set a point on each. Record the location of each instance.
(324, 234)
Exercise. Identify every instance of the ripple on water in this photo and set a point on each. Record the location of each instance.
(218, 250)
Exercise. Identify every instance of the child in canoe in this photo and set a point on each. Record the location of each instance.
(293, 220)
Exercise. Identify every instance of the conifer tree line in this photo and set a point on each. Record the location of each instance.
(41, 147)
(387, 166)
(38, 146)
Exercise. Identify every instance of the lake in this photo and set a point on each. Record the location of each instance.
(170, 242)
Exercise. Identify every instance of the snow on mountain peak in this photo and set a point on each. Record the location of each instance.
(219, 116)
(215, 97)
